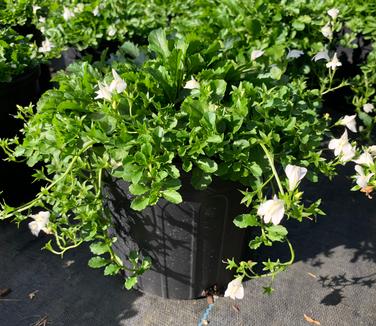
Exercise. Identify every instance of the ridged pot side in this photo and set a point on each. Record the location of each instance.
(187, 242)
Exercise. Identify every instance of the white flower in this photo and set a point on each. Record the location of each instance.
(294, 175)
(192, 84)
(334, 63)
(79, 8)
(256, 54)
(349, 122)
(40, 223)
(368, 107)
(365, 159)
(372, 150)
(272, 210)
(327, 31)
(46, 46)
(321, 55)
(67, 14)
(362, 179)
(42, 20)
(342, 147)
(118, 83)
(111, 30)
(333, 13)
(35, 9)
(235, 289)
(293, 54)
(96, 11)
(104, 91)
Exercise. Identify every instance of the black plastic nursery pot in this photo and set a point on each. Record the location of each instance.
(15, 178)
(20, 91)
(187, 242)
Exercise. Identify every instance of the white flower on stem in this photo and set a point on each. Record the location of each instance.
(348, 121)
(46, 46)
(79, 8)
(321, 55)
(372, 150)
(342, 147)
(35, 9)
(96, 11)
(40, 223)
(362, 179)
(368, 107)
(334, 63)
(327, 31)
(235, 289)
(104, 91)
(118, 84)
(256, 54)
(42, 20)
(67, 14)
(333, 13)
(364, 159)
(294, 174)
(272, 210)
(192, 84)
(111, 30)
(293, 54)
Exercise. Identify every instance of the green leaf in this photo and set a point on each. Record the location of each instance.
(299, 26)
(129, 172)
(139, 203)
(291, 124)
(111, 269)
(276, 73)
(99, 248)
(97, 262)
(137, 189)
(158, 42)
(268, 290)
(173, 196)
(276, 232)
(207, 165)
(130, 282)
(147, 149)
(231, 264)
(140, 158)
(246, 220)
(255, 243)
(200, 180)
(367, 120)
(256, 169)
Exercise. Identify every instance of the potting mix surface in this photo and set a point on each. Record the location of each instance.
(333, 281)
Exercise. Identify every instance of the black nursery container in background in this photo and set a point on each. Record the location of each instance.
(16, 179)
(187, 243)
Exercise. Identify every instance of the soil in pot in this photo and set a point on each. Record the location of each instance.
(187, 242)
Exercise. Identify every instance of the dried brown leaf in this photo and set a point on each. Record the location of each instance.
(236, 308)
(4, 292)
(210, 299)
(367, 191)
(42, 322)
(311, 320)
(32, 294)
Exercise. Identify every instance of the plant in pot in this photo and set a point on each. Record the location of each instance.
(143, 157)
(93, 26)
